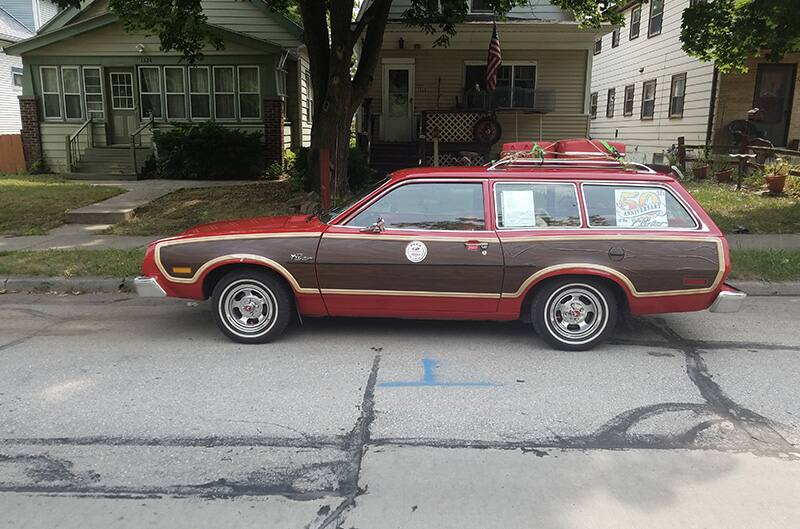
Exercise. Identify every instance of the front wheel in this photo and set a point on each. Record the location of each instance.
(574, 314)
(251, 306)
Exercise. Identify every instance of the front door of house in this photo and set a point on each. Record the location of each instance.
(774, 93)
(122, 116)
(398, 101)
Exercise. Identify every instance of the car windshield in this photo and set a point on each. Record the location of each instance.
(328, 215)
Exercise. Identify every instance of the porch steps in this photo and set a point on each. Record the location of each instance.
(386, 157)
(109, 163)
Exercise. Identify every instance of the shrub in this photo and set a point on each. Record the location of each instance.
(209, 151)
(274, 171)
(358, 170)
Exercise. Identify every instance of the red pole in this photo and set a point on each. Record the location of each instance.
(325, 177)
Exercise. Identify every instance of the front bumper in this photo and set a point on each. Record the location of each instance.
(729, 300)
(148, 287)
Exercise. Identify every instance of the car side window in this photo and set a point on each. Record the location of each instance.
(428, 206)
(528, 205)
(635, 207)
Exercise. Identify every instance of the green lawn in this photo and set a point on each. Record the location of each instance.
(185, 208)
(72, 263)
(758, 213)
(33, 205)
(765, 265)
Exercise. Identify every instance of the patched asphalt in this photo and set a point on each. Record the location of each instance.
(109, 403)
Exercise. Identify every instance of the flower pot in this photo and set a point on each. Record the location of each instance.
(700, 171)
(776, 183)
(724, 175)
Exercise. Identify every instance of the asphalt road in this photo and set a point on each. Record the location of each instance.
(121, 412)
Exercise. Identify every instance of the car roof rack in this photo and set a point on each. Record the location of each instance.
(523, 159)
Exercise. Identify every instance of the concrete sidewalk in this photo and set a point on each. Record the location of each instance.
(121, 207)
(768, 241)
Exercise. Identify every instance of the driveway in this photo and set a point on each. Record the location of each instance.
(122, 412)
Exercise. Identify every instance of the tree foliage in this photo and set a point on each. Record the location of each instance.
(729, 32)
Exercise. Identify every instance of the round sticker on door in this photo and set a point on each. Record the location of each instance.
(416, 251)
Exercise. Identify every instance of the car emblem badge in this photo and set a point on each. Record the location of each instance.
(300, 258)
(416, 251)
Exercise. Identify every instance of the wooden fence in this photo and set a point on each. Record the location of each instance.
(12, 158)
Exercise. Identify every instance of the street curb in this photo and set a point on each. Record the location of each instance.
(83, 285)
(762, 288)
(87, 285)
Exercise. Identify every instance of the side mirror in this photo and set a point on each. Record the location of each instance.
(378, 226)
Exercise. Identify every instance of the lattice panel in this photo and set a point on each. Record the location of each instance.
(454, 160)
(454, 127)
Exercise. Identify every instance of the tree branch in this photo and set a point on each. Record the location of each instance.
(370, 52)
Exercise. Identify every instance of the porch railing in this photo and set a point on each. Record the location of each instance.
(73, 143)
(137, 136)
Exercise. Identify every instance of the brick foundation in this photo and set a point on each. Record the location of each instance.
(31, 133)
(273, 130)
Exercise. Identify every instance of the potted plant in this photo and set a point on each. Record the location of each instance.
(700, 166)
(723, 174)
(776, 174)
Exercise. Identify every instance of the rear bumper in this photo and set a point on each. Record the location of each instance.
(728, 300)
(148, 287)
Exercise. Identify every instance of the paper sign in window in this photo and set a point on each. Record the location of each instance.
(641, 208)
(518, 209)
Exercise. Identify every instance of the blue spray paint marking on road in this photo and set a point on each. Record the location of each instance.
(429, 379)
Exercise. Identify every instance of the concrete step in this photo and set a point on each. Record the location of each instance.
(99, 176)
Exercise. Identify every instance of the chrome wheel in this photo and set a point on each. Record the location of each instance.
(248, 308)
(576, 313)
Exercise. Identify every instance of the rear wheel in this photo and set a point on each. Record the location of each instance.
(251, 306)
(574, 314)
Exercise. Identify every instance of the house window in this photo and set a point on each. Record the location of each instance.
(309, 97)
(627, 109)
(480, 6)
(16, 77)
(93, 92)
(610, 102)
(175, 89)
(71, 83)
(51, 97)
(121, 91)
(636, 22)
(598, 46)
(516, 86)
(249, 92)
(199, 92)
(224, 93)
(656, 18)
(150, 91)
(693, 3)
(649, 99)
(593, 105)
(615, 38)
(677, 95)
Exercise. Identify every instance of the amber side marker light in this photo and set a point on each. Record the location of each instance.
(694, 282)
(181, 270)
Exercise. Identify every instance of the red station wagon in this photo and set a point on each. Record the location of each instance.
(569, 240)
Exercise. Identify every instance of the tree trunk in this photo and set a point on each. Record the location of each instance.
(331, 130)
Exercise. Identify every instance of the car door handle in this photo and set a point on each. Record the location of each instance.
(475, 246)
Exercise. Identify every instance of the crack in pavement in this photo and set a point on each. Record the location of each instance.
(359, 439)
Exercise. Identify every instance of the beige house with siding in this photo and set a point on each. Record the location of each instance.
(92, 92)
(420, 90)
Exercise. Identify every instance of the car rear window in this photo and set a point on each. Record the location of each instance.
(428, 206)
(634, 207)
(528, 205)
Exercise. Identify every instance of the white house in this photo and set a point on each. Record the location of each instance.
(19, 20)
(646, 91)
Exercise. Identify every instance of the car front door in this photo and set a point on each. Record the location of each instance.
(431, 255)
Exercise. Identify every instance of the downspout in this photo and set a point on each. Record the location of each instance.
(712, 106)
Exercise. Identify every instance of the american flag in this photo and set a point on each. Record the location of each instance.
(494, 61)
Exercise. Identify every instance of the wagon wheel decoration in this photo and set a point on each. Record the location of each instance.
(487, 131)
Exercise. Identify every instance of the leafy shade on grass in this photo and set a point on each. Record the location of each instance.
(758, 213)
(185, 208)
(765, 265)
(33, 205)
(72, 263)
